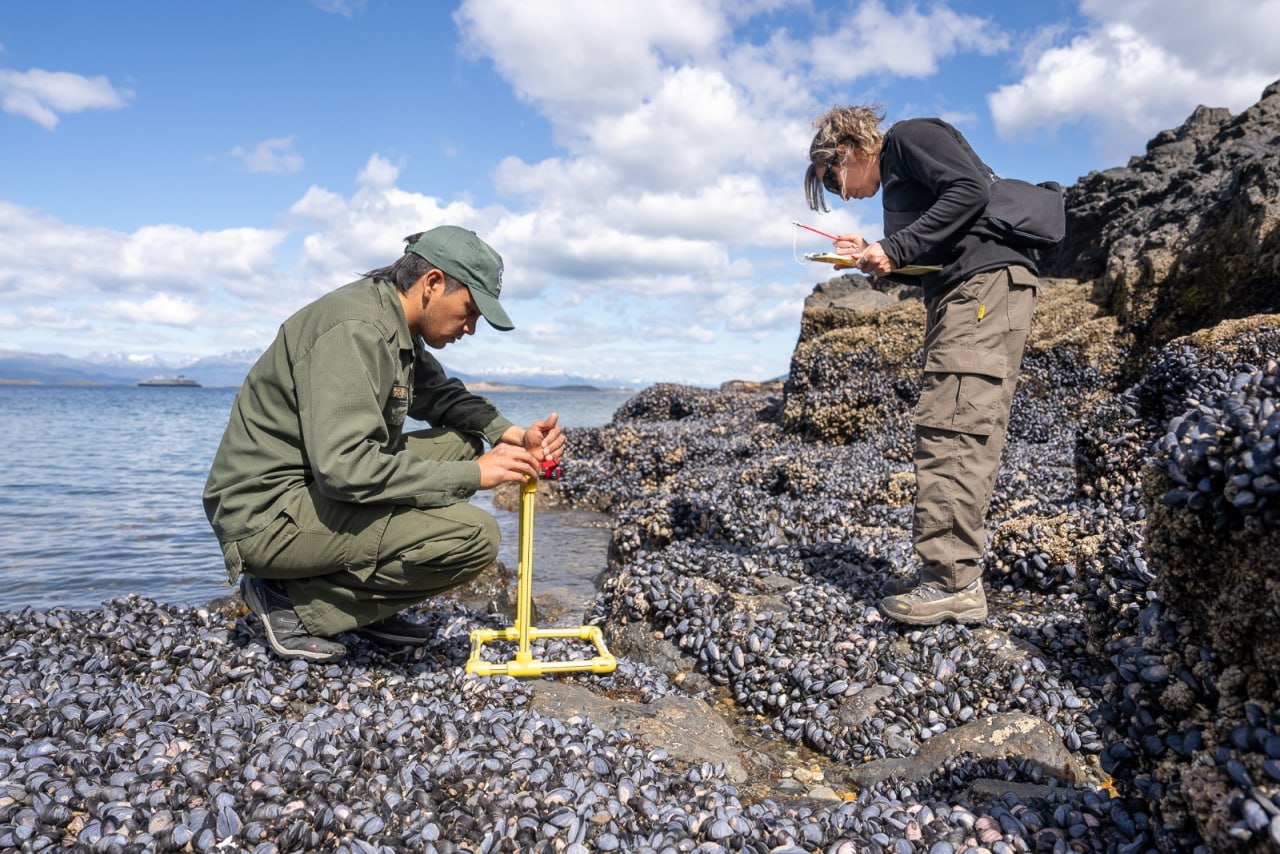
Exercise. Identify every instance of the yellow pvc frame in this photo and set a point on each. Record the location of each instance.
(524, 664)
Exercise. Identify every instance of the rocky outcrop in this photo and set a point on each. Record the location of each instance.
(855, 372)
(1186, 235)
(858, 293)
(1193, 441)
(852, 373)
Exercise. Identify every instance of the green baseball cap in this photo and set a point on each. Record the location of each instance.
(465, 257)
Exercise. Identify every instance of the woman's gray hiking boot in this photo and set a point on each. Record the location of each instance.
(927, 604)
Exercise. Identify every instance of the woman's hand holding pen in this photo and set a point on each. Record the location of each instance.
(870, 257)
(849, 244)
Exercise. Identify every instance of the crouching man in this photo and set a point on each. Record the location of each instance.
(331, 517)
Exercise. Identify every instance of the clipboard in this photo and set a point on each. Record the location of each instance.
(839, 261)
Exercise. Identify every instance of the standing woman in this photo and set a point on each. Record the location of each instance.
(934, 192)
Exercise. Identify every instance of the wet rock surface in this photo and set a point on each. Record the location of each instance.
(678, 724)
(995, 737)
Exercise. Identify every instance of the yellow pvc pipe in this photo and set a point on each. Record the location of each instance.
(523, 633)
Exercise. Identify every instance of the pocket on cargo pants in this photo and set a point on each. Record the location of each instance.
(961, 391)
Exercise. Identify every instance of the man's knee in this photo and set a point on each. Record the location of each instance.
(461, 537)
(468, 559)
(488, 539)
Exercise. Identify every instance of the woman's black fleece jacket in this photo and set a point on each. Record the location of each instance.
(935, 189)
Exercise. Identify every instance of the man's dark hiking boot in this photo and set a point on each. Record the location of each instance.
(927, 604)
(284, 630)
(398, 630)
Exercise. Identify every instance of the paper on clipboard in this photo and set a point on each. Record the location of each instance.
(839, 261)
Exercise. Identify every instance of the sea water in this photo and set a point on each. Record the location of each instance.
(100, 495)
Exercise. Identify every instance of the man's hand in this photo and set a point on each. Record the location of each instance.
(544, 439)
(505, 463)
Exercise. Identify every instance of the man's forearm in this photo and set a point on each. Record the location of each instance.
(514, 435)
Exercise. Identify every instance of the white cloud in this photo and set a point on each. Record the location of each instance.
(734, 208)
(42, 95)
(57, 319)
(163, 253)
(1232, 37)
(763, 308)
(378, 174)
(581, 58)
(162, 308)
(275, 156)
(700, 334)
(1141, 66)
(34, 257)
(903, 42)
(347, 236)
(694, 119)
(623, 261)
(664, 94)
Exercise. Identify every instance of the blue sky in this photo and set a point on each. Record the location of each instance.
(177, 177)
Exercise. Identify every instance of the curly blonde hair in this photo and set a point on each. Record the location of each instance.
(853, 127)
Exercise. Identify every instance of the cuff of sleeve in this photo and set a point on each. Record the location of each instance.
(493, 432)
(891, 251)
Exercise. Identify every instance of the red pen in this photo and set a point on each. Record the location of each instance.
(815, 231)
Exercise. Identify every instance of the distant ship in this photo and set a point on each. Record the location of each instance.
(179, 380)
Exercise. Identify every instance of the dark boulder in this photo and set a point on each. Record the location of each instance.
(1184, 236)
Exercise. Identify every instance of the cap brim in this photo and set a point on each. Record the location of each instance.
(492, 310)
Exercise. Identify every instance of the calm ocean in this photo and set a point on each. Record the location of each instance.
(100, 495)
